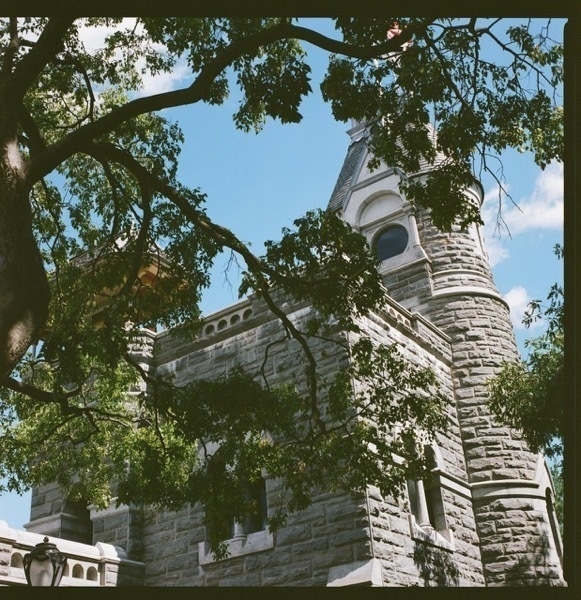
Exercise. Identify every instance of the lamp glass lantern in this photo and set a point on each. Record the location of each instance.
(44, 565)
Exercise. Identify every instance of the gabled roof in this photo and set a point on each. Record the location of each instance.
(348, 171)
(355, 154)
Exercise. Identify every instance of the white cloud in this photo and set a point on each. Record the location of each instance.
(541, 210)
(164, 82)
(496, 252)
(93, 39)
(518, 299)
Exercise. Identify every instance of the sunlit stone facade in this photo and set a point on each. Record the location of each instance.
(486, 518)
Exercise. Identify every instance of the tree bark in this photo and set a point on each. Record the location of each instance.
(24, 290)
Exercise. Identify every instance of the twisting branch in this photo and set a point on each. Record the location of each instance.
(518, 57)
(113, 184)
(449, 78)
(40, 395)
(35, 140)
(61, 398)
(300, 338)
(12, 48)
(70, 60)
(142, 236)
(141, 241)
(224, 237)
(199, 89)
(262, 368)
(48, 45)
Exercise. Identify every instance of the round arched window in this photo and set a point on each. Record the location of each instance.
(391, 242)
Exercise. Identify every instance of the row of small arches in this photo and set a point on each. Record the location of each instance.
(78, 572)
(224, 323)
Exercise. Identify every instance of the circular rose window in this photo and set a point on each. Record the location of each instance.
(391, 242)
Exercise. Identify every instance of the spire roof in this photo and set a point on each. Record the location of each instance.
(349, 169)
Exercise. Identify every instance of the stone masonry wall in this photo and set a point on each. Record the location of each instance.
(120, 526)
(335, 530)
(332, 531)
(410, 285)
(467, 307)
(406, 561)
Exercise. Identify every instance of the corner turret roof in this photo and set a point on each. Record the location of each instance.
(352, 163)
(348, 171)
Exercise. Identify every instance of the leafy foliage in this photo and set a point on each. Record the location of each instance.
(478, 105)
(323, 261)
(529, 395)
(89, 182)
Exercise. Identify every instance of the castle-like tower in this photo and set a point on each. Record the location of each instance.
(486, 516)
(446, 277)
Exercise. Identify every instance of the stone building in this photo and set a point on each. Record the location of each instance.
(485, 519)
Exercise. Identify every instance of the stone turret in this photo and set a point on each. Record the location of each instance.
(446, 277)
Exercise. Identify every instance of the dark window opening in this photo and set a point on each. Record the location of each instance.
(255, 493)
(426, 502)
(391, 242)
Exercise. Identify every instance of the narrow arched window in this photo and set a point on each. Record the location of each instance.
(426, 502)
(391, 241)
(255, 493)
(553, 523)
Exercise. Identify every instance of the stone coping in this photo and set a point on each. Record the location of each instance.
(86, 563)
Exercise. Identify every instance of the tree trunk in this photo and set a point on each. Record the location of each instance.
(24, 291)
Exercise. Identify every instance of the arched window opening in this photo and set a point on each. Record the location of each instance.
(92, 574)
(78, 572)
(391, 241)
(428, 521)
(553, 523)
(16, 560)
(255, 493)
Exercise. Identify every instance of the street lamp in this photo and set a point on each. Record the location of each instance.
(44, 565)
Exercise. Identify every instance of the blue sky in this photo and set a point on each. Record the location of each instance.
(257, 184)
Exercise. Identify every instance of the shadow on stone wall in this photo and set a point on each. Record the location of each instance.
(130, 575)
(535, 568)
(436, 566)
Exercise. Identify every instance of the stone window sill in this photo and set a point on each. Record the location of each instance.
(441, 539)
(238, 546)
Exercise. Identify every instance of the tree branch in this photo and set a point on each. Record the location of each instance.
(141, 240)
(12, 48)
(70, 60)
(38, 394)
(62, 399)
(104, 150)
(48, 45)
(449, 78)
(74, 141)
(35, 140)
